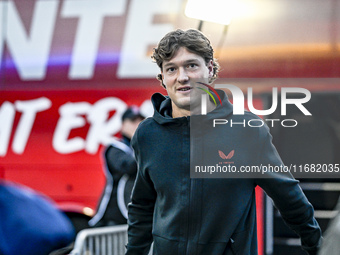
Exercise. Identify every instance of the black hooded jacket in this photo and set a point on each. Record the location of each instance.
(208, 216)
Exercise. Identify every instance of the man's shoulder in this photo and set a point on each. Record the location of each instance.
(146, 128)
(146, 124)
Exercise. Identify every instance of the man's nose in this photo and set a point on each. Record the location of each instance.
(182, 76)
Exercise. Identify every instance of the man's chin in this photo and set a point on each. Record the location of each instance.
(183, 104)
(189, 102)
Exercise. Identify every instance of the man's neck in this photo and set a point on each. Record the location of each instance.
(177, 113)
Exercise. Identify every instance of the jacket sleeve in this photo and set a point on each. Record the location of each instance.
(140, 210)
(289, 198)
(120, 162)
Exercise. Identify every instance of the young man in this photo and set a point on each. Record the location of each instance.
(183, 215)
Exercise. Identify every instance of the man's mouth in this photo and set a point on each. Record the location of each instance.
(184, 88)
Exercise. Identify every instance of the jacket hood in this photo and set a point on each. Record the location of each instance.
(163, 109)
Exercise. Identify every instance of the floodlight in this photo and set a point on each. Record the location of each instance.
(217, 11)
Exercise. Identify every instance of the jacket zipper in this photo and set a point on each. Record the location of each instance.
(192, 201)
(191, 246)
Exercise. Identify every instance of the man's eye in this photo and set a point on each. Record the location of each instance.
(170, 69)
(192, 65)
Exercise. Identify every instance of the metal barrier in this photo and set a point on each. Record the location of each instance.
(101, 241)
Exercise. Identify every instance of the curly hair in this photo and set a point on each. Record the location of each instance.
(193, 40)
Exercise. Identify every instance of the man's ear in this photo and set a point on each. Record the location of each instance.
(160, 77)
(211, 68)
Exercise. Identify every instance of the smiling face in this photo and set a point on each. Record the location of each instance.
(180, 75)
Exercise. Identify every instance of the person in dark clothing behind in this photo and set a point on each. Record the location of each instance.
(206, 216)
(120, 171)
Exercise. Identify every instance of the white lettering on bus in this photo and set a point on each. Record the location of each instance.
(29, 110)
(139, 28)
(101, 130)
(30, 51)
(7, 114)
(70, 118)
(91, 14)
(102, 126)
